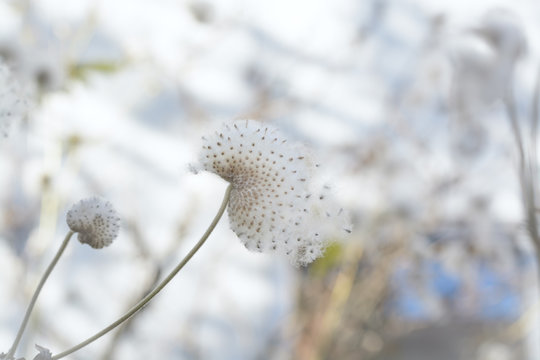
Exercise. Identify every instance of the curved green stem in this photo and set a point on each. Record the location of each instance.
(44, 278)
(158, 288)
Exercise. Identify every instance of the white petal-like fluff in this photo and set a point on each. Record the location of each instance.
(44, 353)
(274, 206)
(95, 220)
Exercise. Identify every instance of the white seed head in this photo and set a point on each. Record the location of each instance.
(95, 220)
(44, 353)
(13, 106)
(274, 204)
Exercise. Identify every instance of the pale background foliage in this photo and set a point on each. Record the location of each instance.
(120, 93)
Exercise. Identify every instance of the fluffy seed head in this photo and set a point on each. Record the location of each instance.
(12, 104)
(95, 220)
(274, 205)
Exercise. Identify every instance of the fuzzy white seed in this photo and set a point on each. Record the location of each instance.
(95, 221)
(44, 353)
(274, 204)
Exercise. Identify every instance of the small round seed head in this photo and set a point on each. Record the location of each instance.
(95, 221)
(274, 204)
(44, 353)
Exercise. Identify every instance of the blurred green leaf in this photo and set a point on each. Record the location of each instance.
(332, 257)
(80, 71)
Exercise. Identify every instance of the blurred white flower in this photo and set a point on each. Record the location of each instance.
(502, 29)
(44, 353)
(45, 69)
(95, 220)
(274, 203)
(35, 53)
(11, 50)
(484, 59)
(12, 103)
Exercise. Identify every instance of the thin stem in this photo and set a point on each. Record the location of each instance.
(159, 287)
(514, 123)
(534, 119)
(36, 294)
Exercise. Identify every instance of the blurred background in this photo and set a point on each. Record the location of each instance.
(403, 101)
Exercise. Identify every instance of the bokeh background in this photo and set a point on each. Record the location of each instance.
(400, 99)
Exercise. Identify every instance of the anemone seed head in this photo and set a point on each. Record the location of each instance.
(274, 204)
(95, 221)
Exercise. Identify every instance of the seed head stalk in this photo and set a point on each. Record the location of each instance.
(44, 278)
(158, 288)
